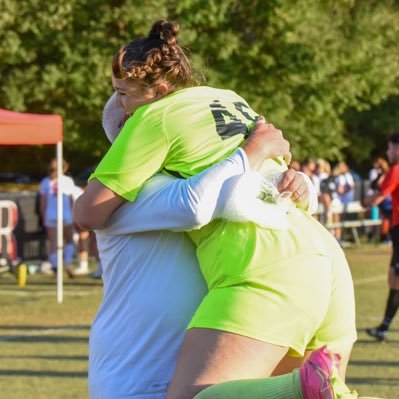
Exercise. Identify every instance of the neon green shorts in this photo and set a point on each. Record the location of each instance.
(297, 293)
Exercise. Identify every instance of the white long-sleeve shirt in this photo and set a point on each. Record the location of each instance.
(152, 283)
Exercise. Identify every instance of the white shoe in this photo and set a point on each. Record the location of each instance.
(46, 268)
(81, 271)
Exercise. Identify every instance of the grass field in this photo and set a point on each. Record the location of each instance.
(44, 345)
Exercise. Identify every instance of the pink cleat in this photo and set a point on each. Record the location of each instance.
(319, 377)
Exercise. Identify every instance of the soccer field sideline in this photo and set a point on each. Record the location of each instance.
(369, 280)
(44, 345)
(49, 292)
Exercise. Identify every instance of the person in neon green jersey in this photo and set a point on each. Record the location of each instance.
(272, 291)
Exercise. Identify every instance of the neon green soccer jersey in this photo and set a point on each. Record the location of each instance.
(290, 288)
(184, 132)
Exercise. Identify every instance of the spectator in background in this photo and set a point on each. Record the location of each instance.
(345, 185)
(309, 168)
(337, 207)
(389, 186)
(379, 168)
(93, 248)
(86, 244)
(316, 176)
(48, 211)
(376, 176)
(323, 169)
(346, 193)
(295, 165)
(327, 190)
(83, 241)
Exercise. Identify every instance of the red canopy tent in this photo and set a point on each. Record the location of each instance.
(30, 129)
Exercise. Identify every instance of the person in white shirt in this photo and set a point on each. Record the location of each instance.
(345, 185)
(48, 211)
(152, 282)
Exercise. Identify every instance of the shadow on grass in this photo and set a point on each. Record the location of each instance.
(372, 341)
(391, 329)
(372, 381)
(376, 363)
(44, 373)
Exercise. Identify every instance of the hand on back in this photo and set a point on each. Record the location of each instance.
(266, 142)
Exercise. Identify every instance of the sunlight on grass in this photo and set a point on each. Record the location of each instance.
(44, 345)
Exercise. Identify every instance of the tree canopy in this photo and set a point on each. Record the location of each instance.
(325, 72)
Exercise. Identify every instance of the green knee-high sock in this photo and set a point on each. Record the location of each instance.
(287, 386)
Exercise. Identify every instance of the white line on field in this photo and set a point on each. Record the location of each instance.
(43, 293)
(34, 333)
(48, 331)
(368, 280)
(363, 281)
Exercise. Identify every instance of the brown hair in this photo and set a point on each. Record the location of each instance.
(52, 167)
(382, 164)
(155, 58)
(394, 138)
(323, 166)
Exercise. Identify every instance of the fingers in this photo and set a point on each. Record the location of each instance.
(295, 184)
(287, 157)
(261, 120)
(266, 142)
(284, 144)
(283, 148)
(300, 196)
(286, 181)
(279, 147)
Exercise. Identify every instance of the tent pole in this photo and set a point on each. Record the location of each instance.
(60, 230)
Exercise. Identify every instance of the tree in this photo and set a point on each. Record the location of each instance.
(373, 128)
(301, 66)
(311, 68)
(56, 58)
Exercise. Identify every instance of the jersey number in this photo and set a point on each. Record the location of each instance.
(227, 124)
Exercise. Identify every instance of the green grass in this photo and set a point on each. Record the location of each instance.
(44, 345)
(374, 367)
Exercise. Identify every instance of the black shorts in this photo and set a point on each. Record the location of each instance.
(395, 249)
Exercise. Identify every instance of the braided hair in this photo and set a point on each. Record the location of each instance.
(155, 58)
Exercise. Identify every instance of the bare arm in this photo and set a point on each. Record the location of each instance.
(97, 203)
(373, 199)
(166, 203)
(95, 206)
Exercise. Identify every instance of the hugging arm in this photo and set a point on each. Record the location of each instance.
(128, 163)
(179, 204)
(166, 203)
